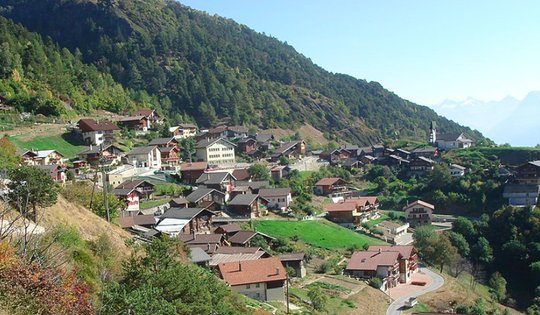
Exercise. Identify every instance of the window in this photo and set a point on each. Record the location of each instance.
(248, 286)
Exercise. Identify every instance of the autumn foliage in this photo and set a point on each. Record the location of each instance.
(29, 288)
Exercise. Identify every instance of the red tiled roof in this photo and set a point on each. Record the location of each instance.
(406, 251)
(421, 203)
(328, 181)
(370, 260)
(253, 271)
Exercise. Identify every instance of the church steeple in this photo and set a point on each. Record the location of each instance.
(433, 132)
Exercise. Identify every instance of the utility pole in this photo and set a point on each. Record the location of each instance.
(287, 293)
(104, 180)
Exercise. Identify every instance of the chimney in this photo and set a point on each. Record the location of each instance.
(239, 266)
(380, 250)
(277, 271)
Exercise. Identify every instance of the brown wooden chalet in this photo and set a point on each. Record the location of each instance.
(330, 185)
(111, 154)
(146, 188)
(529, 173)
(206, 198)
(248, 205)
(247, 145)
(291, 150)
(191, 171)
(177, 221)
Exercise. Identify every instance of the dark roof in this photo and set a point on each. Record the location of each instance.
(162, 141)
(200, 238)
(95, 149)
(209, 248)
(141, 150)
(243, 200)
(208, 142)
(122, 192)
(178, 201)
(242, 237)
(264, 137)
(88, 124)
(448, 136)
(238, 129)
(285, 147)
(212, 178)
(230, 228)
(133, 183)
(187, 126)
(253, 185)
(143, 112)
(291, 257)
(403, 151)
(183, 213)
(351, 162)
(274, 192)
(241, 174)
(167, 149)
(425, 150)
(199, 193)
(521, 189)
(246, 140)
(198, 255)
(127, 222)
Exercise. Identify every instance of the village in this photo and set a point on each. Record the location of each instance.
(231, 177)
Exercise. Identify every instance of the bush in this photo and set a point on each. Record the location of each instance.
(375, 283)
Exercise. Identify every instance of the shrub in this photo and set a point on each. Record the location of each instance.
(375, 283)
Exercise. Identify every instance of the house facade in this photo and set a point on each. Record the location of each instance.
(452, 141)
(278, 198)
(183, 131)
(190, 172)
(408, 259)
(529, 173)
(149, 156)
(262, 279)
(96, 133)
(521, 195)
(419, 213)
(330, 185)
(381, 264)
(457, 170)
(216, 151)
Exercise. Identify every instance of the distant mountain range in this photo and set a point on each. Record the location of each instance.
(508, 120)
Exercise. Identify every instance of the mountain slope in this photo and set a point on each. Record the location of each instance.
(195, 66)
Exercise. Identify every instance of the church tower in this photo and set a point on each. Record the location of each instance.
(433, 132)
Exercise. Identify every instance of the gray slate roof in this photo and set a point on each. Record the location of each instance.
(199, 193)
(183, 213)
(274, 192)
(212, 178)
(161, 141)
(253, 185)
(198, 255)
(141, 150)
(243, 200)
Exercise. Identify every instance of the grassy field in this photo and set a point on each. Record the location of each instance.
(306, 174)
(65, 144)
(153, 203)
(321, 233)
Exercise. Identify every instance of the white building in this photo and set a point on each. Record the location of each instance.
(216, 151)
(149, 156)
(279, 198)
(96, 133)
(183, 131)
(457, 170)
(452, 141)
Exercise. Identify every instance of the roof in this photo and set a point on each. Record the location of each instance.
(449, 136)
(521, 189)
(198, 255)
(274, 192)
(406, 251)
(200, 238)
(132, 183)
(243, 200)
(167, 149)
(237, 250)
(459, 167)
(199, 193)
(46, 153)
(230, 228)
(195, 166)
(362, 201)
(162, 141)
(340, 207)
(209, 248)
(421, 203)
(425, 150)
(96, 149)
(122, 191)
(89, 124)
(127, 222)
(179, 201)
(253, 271)
(132, 118)
(264, 137)
(242, 237)
(183, 213)
(220, 258)
(285, 147)
(144, 112)
(187, 126)
(208, 142)
(291, 257)
(425, 159)
(328, 181)
(533, 163)
(141, 150)
(212, 178)
(238, 129)
(256, 185)
(370, 260)
(403, 151)
(241, 174)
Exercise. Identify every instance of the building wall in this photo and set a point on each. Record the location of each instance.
(279, 201)
(418, 215)
(255, 291)
(220, 153)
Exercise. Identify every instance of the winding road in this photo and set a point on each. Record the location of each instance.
(398, 305)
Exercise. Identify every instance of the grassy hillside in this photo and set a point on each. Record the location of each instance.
(321, 233)
(65, 143)
(195, 66)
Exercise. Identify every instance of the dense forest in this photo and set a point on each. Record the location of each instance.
(200, 67)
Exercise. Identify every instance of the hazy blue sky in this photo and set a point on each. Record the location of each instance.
(425, 51)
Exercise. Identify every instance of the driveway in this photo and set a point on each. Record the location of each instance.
(398, 305)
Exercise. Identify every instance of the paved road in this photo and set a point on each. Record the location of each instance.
(397, 306)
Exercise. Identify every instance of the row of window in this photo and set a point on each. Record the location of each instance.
(257, 285)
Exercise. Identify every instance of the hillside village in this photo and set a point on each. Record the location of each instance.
(230, 177)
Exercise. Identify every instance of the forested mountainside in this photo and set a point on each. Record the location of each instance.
(196, 66)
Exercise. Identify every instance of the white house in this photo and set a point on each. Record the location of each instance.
(279, 198)
(453, 141)
(216, 151)
(96, 133)
(457, 170)
(149, 156)
(183, 131)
